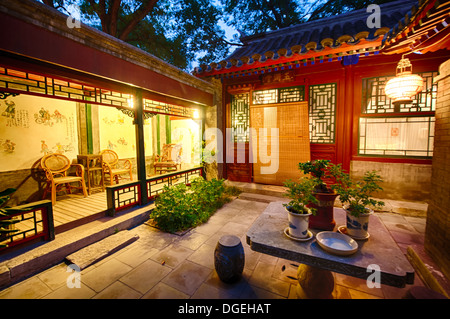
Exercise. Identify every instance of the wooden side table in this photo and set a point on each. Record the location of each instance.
(94, 171)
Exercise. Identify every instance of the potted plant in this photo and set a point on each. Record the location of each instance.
(355, 196)
(320, 172)
(301, 195)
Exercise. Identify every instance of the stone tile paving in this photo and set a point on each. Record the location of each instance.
(161, 265)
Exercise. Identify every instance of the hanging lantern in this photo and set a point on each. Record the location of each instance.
(405, 84)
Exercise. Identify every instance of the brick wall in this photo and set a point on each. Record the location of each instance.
(437, 236)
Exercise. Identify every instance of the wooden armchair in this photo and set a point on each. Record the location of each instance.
(170, 158)
(113, 167)
(56, 168)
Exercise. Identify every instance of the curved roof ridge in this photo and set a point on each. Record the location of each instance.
(332, 20)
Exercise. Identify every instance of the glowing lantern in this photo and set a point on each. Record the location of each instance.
(405, 84)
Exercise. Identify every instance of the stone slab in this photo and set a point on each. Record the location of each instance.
(35, 259)
(91, 254)
(267, 236)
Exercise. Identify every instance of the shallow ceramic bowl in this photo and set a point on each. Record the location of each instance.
(337, 243)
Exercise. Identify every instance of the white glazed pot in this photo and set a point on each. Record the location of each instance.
(298, 224)
(357, 226)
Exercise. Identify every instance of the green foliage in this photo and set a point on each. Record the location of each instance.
(6, 225)
(319, 170)
(181, 207)
(335, 7)
(356, 194)
(301, 194)
(179, 32)
(254, 16)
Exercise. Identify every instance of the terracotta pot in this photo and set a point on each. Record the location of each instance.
(324, 218)
(298, 224)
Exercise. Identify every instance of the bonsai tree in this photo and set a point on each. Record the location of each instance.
(301, 195)
(319, 170)
(356, 195)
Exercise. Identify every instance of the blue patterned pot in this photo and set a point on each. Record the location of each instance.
(357, 226)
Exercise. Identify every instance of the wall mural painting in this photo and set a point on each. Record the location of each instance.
(31, 127)
(117, 132)
(16, 118)
(8, 146)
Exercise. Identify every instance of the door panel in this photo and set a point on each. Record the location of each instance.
(284, 151)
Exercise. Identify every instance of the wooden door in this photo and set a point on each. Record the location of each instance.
(291, 124)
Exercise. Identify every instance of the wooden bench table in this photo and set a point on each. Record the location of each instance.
(266, 235)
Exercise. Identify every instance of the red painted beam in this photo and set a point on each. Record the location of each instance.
(35, 42)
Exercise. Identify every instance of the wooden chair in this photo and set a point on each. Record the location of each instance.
(170, 158)
(113, 167)
(56, 168)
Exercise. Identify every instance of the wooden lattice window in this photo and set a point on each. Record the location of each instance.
(322, 109)
(375, 101)
(281, 95)
(291, 94)
(265, 97)
(240, 117)
(400, 130)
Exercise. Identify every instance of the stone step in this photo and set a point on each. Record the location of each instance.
(270, 190)
(91, 254)
(262, 198)
(35, 258)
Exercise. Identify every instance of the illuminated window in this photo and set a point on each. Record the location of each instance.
(401, 130)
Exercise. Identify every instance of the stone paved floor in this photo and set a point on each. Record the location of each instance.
(162, 265)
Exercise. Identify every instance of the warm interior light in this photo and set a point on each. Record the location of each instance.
(196, 114)
(130, 103)
(405, 84)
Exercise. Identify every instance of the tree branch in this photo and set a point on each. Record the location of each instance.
(138, 15)
(113, 16)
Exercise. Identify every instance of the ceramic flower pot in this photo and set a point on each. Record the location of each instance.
(298, 224)
(357, 226)
(324, 218)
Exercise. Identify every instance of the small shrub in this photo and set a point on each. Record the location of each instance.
(181, 207)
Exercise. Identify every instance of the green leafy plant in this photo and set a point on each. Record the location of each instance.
(355, 195)
(6, 225)
(301, 194)
(181, 207)
(319, 171)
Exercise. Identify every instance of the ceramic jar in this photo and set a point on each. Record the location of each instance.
(298, 224)
(229, 258)
(357, 226)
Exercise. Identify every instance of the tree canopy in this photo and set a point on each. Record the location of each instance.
(189, 32)
(180, 32)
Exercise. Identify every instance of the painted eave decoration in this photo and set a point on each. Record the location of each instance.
(427, 30)
(345, 38)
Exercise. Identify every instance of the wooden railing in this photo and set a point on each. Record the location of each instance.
(128, 195)
(123, 196)
(33, 221)
(155, 184)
